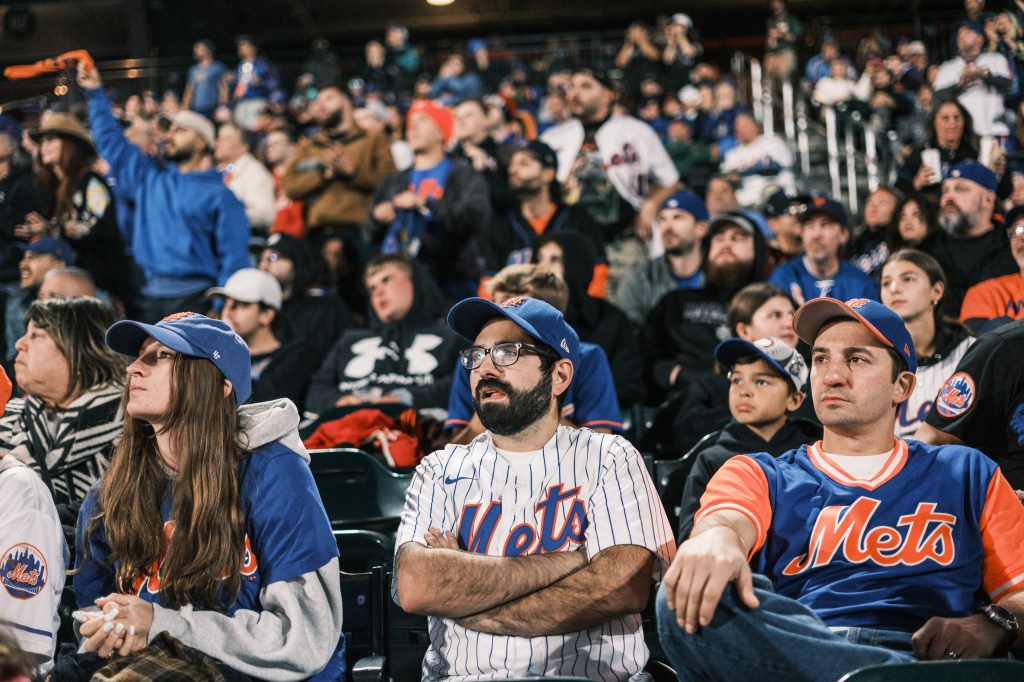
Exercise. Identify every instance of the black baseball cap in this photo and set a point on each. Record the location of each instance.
(541, 152)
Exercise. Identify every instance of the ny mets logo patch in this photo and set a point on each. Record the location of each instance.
(956, 395)
(857, 302)
(23, 572)
(514, 301)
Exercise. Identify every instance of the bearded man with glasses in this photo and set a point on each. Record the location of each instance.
(532, 548)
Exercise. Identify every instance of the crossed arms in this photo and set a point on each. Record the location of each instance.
(527, 596)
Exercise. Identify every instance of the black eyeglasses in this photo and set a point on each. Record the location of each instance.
(502, 354)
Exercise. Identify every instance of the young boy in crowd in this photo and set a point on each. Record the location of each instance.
(766, 382)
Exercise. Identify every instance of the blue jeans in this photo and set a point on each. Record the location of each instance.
(780, 640)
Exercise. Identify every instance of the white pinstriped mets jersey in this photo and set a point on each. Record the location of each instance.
(583, 490)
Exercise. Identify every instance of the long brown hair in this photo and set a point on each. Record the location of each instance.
(203, 556)
(77, 327)
(75, 159)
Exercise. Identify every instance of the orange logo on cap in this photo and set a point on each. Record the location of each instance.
(514, 301)
(857, 302)
(176, 316)
(906, 349)
(819, 201)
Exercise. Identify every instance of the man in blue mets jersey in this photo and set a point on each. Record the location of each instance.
(862, 549)
(532, 547)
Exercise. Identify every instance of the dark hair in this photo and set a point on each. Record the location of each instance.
(749, 300)
(547, 363)
(969, 137)
(75, 160)
(892, 232)
(934, 272)
(899, 363)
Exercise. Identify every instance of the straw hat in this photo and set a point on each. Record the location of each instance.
(65, 125)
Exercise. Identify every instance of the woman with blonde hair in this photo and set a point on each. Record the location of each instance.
(206, 534)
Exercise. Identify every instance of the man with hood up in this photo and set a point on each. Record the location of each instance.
(406, 356)
(571, 256)
(683, 329)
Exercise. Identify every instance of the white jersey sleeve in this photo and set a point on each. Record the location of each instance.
(625, 508)
(32, 564)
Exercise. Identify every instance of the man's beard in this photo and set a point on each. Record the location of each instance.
(956, 224)
(727, 276)
(331, 120)
(524, 408)
(178, 154)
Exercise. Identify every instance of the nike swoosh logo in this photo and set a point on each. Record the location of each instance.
(449, 480)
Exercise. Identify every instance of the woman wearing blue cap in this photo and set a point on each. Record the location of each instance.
(207, 530)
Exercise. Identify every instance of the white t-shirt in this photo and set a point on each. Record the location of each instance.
(983, 101)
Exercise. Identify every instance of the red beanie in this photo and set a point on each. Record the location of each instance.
(441, 115)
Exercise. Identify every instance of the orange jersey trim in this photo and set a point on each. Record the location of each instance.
(893, 466)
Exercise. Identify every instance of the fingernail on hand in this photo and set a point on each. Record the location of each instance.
(131, 630)
(120, 628)
(108, 627)
(79, 616)
(110, 616)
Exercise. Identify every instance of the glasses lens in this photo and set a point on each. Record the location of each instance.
(471, 357)
(505, 354)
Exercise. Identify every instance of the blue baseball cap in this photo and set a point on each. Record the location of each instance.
(194, 335)
(689, 202)
(884, 324)
(540, 320)
(974, 26)
(820, 203)
(8, 126)
(976, 173)
(54, 246)
(775, 352)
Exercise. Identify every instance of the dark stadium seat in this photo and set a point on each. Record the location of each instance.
(365, 624)
(985, 670)
(670, 477)
(357, 490)
(362, 549)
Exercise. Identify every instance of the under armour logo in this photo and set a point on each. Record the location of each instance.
(514, 301)
(857, 302)
(176, 316)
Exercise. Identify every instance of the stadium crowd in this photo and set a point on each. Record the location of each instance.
(219, 269)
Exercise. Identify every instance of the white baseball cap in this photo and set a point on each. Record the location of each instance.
(250, 285)
(197, 123)
(682, 20)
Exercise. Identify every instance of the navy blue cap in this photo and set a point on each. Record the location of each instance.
(975, 172)
(195, 335)
(540, 320)
(820, 203)
(689, 202)
(54, 246)
(775, 352)
(8, 126)
(541, 152)
(884, 324)
(975, 26)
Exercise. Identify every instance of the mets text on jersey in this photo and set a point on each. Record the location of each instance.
(476, 533)
(925, 535)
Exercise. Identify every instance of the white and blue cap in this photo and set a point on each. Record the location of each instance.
(689, 202)
(540, 320)
(775, 352)
(977, 173)
(194, 335)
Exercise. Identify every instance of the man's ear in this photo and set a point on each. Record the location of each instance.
(562, 376)
(905, 383)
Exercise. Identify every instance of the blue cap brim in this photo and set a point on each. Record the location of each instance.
(468, 317)
(731, 350)
(126, 337)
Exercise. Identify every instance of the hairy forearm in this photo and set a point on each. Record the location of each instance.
(1014, 603)
(616, 583)
(453, 583)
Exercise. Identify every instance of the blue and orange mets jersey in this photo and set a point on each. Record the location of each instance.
(936, 532)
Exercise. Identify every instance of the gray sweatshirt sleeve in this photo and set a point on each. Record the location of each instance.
(291, 639)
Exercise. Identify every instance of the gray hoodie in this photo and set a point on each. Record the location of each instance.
(300, 625)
